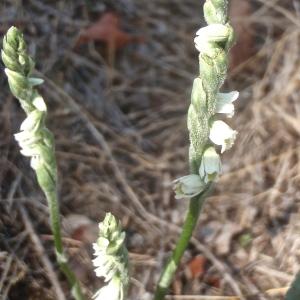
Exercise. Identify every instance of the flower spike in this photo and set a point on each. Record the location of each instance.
(205, 131)
(34, 139)
(111, 260)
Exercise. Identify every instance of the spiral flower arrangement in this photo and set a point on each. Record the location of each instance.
(35, 140)
(111, 260)
(207, 134)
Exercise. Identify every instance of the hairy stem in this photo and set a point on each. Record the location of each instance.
(61, 258)
(195, 207)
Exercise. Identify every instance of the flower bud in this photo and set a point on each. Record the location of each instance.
(188, 186)
(210, 165)
(224, 103)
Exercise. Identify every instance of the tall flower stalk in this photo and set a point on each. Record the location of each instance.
(111, 260)
(35, 140)
(208, 136)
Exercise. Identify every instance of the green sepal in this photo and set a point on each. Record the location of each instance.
(198, 96)
(12, 37)
(44, 177)
(216, 11)
(198, 126)
(231, 38)
(213, 71)
(9, 49)
(10, 61)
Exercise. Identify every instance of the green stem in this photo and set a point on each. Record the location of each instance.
(294, 291)
(61, 257)
(190, 223)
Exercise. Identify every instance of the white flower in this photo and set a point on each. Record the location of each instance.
(102, 258)
(35, 161)
(188, 186)
(224, 103)
(111, 260)
(210, 165)
(28, 142)
(32, 122)
(221, 134)
(112, 291)
(39, 103)
(209, 34)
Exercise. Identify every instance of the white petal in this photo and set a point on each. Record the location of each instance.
(35, 161)
(228, 97)
(224, 103)
(188, 186)
(214, 33)
(221, 134)
(202, 45)
(210, 165)
(103, 242)
(33, 120)
(209, 34)
(96, 248)
(227, 109)
(28, 151)
(27, 139)
(99, 260)
(22, 136)
(109, 292)
(39, 103)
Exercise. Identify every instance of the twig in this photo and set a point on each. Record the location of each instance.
(277, 292)
(5, 272)
(13, 188)
(102, 142)
(275, 273)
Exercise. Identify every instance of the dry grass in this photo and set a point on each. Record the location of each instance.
(119, 123)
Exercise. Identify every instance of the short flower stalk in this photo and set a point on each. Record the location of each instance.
(35, 140)
(209, 137)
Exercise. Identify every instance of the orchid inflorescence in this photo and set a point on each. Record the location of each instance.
(34, 139)
(111, 260)
(206, 132)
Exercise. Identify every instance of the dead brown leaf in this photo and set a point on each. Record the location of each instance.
(196, 266)
(107, 30)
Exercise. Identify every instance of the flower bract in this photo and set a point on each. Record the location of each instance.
(210, 165)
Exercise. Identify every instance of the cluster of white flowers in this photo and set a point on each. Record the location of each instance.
(111, 260)
(220, 133)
